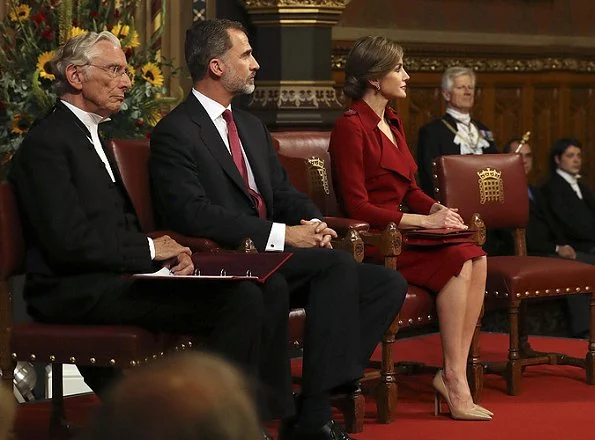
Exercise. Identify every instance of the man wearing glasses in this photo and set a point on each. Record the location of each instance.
(83, 236)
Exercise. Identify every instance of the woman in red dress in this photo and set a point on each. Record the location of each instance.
(373, 172)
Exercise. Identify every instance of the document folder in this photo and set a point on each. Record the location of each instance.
(228, 266)
(437, 237)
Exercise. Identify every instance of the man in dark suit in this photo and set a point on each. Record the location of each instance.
(83, 236)
(455, 132)
(215, 173)
(572, 203)
(545, 238)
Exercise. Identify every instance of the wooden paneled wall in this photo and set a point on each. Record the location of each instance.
(551, 103)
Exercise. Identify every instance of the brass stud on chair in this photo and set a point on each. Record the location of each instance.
(133, 363)
(568, 289)
(183, 346)
(189, 344)
(32, 357)
(72, 359)
(112, 362)
(92, 360)
(52, 358)
(410, 321)
(557, 290)
(14, 356)
(547, 291)
(578, 289)
(400, 322)
(518, 295)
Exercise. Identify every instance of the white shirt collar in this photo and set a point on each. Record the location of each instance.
(213, 108)
(462, 117)
(91, 120)
(570, 178)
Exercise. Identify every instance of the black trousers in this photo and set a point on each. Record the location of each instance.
(348, 306)
(579, 312)
(245, 322)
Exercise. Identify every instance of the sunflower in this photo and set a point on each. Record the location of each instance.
(128, 38)
(152, 74)
(132, 72)
(154, 117)
(44, 66)
(76, 31)
(21, 123)
(20, 13)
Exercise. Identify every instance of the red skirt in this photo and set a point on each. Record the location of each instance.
(431, 266)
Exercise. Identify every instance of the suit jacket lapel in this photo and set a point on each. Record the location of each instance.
(211, 139)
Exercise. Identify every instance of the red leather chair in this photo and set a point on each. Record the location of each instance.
(109, 346)
(305, 156)
(495, 186)
(132, 158)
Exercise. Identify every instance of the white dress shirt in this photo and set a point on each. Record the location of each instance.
(572, 181)
(92, 121)
(276, 240)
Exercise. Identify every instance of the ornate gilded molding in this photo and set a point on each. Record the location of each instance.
(305, 95)
(295, 12)
(434, 64)
(252, 4)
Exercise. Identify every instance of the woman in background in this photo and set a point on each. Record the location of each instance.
(373, 172)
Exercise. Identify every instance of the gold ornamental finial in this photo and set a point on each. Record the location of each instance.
(524, 140)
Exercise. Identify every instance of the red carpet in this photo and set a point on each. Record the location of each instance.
(555, 402)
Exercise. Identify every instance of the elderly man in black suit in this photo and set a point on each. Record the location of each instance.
(83, 236)
(215, 173)
(546, 238)
(455, 132)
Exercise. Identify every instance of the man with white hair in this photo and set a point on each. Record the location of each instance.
(455, 132)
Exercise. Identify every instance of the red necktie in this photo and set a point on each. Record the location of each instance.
(238, 159)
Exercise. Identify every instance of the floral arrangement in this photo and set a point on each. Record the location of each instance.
(29, 36)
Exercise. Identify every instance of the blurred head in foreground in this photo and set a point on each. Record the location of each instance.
(184, 397)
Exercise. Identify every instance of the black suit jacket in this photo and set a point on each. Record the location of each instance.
(542, 233)
(198, 190)
(80, 228)
(435, 139)
(568, 210)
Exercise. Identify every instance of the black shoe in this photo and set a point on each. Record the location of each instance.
(329, 431)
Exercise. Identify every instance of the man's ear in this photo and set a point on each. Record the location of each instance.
(446, 95)
(217, 67)
(74, 76)
(557, 160)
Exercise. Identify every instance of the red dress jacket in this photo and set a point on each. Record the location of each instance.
(372, 176)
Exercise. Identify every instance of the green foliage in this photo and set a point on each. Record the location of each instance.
(33, 29)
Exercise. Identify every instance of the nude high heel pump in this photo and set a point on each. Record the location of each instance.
(474, 413)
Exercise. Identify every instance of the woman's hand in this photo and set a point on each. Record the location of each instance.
(443, 217)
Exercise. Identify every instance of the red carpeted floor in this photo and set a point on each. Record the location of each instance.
(555, 402)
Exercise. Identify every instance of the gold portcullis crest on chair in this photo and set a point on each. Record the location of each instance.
(491, 187)
(317, 175)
